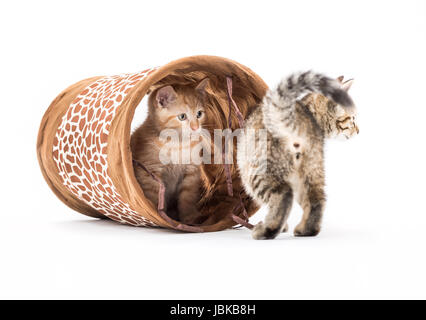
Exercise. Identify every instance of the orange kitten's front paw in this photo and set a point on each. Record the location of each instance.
(190, 218)
(303, 230)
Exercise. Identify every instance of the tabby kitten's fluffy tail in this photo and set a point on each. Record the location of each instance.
(293, 87)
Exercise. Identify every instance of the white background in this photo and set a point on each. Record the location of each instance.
(373, 240)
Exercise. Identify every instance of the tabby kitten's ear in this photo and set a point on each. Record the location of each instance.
(165, 96)
(340, 79)
(201, 87)
(347, 84)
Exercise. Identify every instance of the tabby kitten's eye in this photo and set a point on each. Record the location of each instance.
(199, 114)
(182, 116)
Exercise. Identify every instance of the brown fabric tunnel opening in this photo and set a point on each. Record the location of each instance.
(216, 205)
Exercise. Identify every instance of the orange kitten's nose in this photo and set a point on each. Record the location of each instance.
(194, 126)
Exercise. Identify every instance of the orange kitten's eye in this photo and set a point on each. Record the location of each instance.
(182, 116)
(199, 114)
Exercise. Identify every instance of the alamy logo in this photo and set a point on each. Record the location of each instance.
(187, 147)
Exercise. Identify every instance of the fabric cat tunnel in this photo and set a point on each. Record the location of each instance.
(83, 144)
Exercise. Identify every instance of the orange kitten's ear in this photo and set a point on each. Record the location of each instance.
(165, 96)
(347, 84)
(340, 79)
(201, 87)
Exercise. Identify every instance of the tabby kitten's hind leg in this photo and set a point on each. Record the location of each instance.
(313, 206)
(279, 209)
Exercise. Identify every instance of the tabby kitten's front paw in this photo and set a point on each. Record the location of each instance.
(303, 230)
(261, 232)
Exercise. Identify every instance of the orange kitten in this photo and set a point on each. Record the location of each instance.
(179, 108)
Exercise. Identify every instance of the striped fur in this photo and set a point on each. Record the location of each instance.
(298, 115)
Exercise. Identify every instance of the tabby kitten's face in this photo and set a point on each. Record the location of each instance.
(338, 122)
(345, 124)
(181, 108)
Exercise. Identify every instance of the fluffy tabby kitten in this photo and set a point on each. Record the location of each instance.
(179, 108)
(296, 130)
